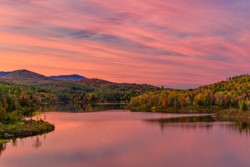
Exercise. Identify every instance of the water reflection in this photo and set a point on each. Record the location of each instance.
(36, 142)
(122, 138)
(79, 107)
(207, 118)
(206, 122)
(2, 148)
(240, 127)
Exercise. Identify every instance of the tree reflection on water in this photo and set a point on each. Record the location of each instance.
(36, 142)
(2, 147)
(80, 107)
(242, 127)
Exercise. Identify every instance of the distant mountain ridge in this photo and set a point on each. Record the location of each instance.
(2, 73)
(74, 77)
(76, 88)
(29, 76)
(21, 76)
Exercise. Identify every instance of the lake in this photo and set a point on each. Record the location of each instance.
(121, 138)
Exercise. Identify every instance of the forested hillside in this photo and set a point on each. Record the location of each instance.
(17, 101)
(83, 90)
(23, 88)
(232, 93)
(22, 92)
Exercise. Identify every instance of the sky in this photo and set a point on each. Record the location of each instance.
(170, 43)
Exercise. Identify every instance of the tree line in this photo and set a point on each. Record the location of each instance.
(18, 101)
(22, 99)
(232, 93)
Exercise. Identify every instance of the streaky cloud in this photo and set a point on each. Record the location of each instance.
(181, 43)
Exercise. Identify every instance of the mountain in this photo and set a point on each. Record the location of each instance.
(24, 76)
(63, 82)
(75, 87)
(73, 77)
(2, 73)
(27, 76)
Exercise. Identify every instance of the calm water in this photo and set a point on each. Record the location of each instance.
(120, 138)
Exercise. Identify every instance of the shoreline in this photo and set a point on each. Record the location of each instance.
(24, 129)
(233, 115)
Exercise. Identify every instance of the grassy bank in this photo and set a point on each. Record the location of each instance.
(24, 129)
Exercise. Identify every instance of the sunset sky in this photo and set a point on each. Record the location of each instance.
(175, 43)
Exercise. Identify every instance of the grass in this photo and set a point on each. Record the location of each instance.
(24, 129)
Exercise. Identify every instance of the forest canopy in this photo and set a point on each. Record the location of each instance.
(232, 93)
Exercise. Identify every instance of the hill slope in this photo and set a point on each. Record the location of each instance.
(69, 88)
(24, 76)
(232, 93)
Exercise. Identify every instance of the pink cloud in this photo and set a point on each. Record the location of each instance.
(172, 43)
